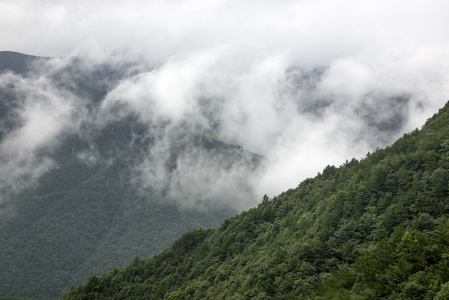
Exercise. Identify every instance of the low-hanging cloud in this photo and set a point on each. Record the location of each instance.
(39, 114)
(302, 83)
(192, 175)
(300, 120)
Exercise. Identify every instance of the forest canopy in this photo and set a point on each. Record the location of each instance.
(370, 229)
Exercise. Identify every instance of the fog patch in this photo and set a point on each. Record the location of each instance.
(38, 117)
(193, 170)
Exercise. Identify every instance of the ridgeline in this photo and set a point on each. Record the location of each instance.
(369, 229)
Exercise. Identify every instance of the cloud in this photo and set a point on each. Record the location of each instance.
(169, 91)
(315, 31)
(37, 118)
(300, 119)
(188, 171)
(303, 83)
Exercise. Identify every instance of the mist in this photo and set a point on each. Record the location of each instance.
(302, 84)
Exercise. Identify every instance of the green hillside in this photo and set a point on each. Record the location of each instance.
(370, 229)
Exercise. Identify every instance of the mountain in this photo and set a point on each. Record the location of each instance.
(74, 194)
(373, 228)
(16, 62)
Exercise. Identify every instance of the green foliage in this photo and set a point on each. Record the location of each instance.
(370, 229)
(409, 265)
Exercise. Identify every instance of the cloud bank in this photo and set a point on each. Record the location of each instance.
(302, 83)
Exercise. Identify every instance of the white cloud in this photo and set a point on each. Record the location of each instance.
(42, 114)
(315, 31)
(386, 69)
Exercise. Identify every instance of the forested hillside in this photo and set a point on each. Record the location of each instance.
(76, 208)
(373, 228)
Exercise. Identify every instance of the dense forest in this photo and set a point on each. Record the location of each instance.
(373, 228)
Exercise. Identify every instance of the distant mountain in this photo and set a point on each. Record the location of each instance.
(377, 228)
(16, 62)
(78, 206)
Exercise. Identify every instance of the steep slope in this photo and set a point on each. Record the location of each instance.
(370, 229)
(85, 214)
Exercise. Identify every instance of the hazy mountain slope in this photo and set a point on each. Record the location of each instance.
(67, 231)
(84, 213)
(16, 62)
(370, 229)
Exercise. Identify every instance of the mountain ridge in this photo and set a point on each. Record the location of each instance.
(17, 62)
(369, 229)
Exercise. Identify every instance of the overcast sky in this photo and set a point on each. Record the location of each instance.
(315, 32)
(248, 53)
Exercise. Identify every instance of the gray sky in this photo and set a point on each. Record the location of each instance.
(315, 32)
(249, 54)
